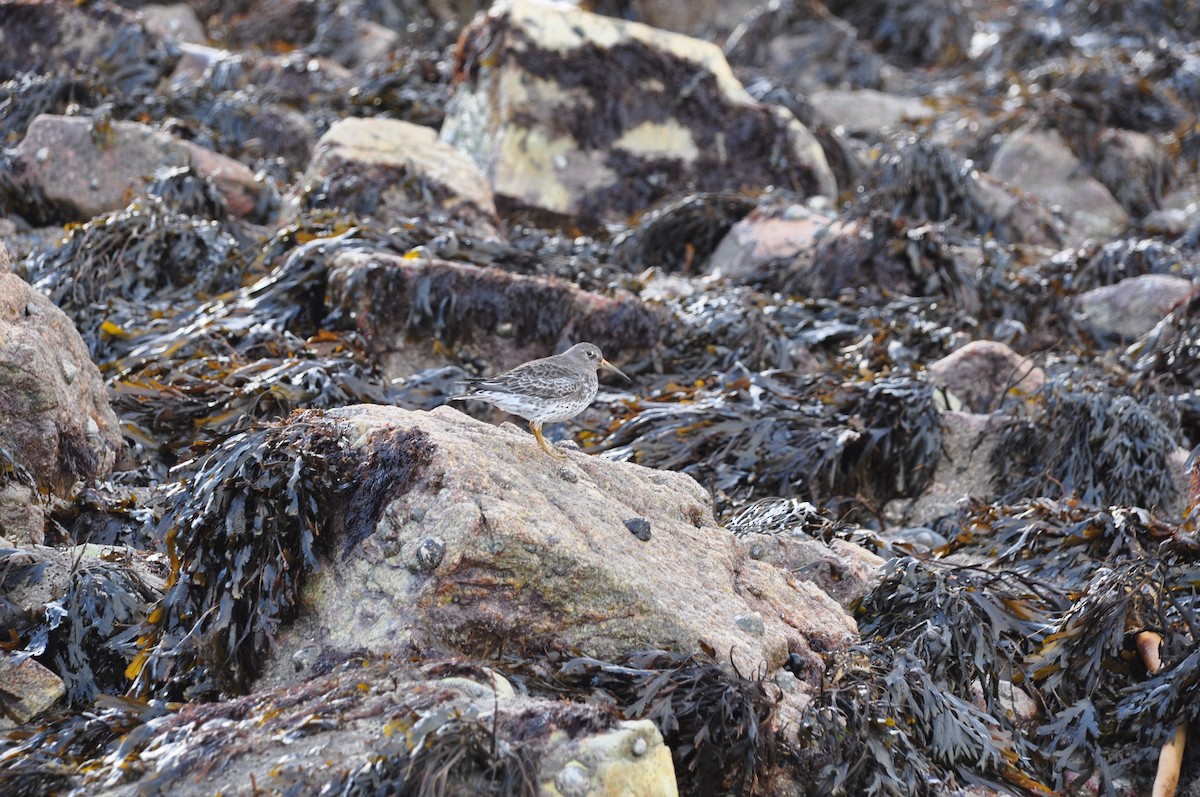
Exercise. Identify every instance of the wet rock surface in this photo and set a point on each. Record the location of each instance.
(898, 498)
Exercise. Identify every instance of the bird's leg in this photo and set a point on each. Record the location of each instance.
(536, 428)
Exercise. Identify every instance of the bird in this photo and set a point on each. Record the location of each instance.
(547, 390)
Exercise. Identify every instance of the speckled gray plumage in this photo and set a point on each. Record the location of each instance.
(549, 390)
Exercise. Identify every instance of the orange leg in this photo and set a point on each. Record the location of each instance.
(537, 432)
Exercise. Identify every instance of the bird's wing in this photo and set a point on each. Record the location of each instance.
(539, 379)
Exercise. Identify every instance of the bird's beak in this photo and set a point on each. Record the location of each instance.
(606, 364)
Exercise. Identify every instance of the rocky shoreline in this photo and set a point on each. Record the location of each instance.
(899, 500)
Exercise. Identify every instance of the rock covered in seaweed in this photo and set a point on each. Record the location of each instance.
(407, 306)
(590, 117)
(383, 727)
(58, 425)
(50, 35)
(392, 170)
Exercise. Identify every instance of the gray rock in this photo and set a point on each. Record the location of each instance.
(1135, 168)
(531, 560)
(771, 234)
(986, 375)
(844, 571)
(57, 420)
(22, 515)
(1040, 163)
(700, 18)
(869, 113)
(90, 172)
(393, 170)
(175, 21)
(1132, 307)
(964, 469)
(607, 143)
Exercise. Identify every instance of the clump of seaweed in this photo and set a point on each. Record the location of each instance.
(1120, 260)
(884, 725)
(924, 181)
(854, 445)
(110, 267)
(90, 629)
(912, 32)
(186, 192)
(168, 405)
(47, 760)
(30, 95)
(1066, 603)
(1089, 442)
(1172, 348)
(444, 751)
(975, 623)
(257, 512)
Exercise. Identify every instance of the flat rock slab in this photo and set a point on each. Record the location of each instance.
(90, 171)
(597, 118)
(500, 549)
(394, 170)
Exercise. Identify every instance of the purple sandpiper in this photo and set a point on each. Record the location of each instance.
(548, 390)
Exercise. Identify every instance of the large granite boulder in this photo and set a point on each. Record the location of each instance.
(597, 118)
(58, 424)
(86, 170)
(498, 547)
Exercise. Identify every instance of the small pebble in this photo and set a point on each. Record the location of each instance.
(639, 747)
(640, 528)
(796, 665)
(429, 555)
(751, 623)
(573, 781)
(568, 475)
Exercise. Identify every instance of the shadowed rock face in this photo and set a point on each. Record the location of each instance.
(56, 420)
(578, 114)
(500, 549)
